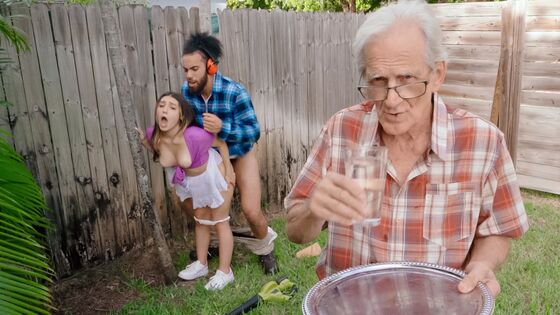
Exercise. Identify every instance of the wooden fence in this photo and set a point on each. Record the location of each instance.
(298, 68)
(68, 125)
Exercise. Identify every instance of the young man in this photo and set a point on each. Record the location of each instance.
(223, 107)
(451, 192)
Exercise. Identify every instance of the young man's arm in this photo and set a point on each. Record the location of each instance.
(243, 126)
(224, 152)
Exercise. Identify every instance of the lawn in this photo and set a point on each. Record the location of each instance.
(529, 279)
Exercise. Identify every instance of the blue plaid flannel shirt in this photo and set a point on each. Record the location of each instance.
(232, 104)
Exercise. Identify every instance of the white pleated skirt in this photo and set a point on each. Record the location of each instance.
(204, 189)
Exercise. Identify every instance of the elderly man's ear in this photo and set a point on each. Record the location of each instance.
(439, 75)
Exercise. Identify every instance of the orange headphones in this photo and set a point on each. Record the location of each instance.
(211, 65)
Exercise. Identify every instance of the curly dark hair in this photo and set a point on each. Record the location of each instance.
(210, 46)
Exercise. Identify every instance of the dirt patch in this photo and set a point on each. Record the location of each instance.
(540, 198)
(105, 288)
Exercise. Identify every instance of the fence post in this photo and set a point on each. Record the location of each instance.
(506, 103)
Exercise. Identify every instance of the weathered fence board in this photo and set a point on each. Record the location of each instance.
(19, 117)
(43, 150)
(70, 229)
(160, 55)
(110, 205)
(103, 224)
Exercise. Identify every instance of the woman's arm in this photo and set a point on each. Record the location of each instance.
(224, 152)
(144, 140)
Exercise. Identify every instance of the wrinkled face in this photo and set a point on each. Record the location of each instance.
(397, 57)
(168, 113)
(194, 66)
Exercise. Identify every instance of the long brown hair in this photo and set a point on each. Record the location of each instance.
(186, 118)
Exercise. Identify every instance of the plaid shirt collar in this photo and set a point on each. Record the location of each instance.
(439, 128)
(217, 84)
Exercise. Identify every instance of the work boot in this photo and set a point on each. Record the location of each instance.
(269, 264)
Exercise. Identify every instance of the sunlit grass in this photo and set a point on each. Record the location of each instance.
(530, 278)
(248, 281)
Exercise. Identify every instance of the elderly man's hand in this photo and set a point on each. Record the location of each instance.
(479, 272)
(337, 198)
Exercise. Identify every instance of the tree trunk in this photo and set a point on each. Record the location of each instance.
(112, 34)
(348, 5)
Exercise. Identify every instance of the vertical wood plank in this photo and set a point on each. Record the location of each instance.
(194, 19)
(18, 114)
(174, 38)
(131, 57)
(173, 51)
(43, 147)
(301, 64)
(88, 242)
(160, 55)
(100, 217)
(59, 133)
(258, 78)
(146, 103)
(120, 195)
(4, 113)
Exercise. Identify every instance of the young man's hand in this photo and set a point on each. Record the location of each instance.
(211, 123)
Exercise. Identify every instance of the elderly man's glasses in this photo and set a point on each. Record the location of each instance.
(405, 91)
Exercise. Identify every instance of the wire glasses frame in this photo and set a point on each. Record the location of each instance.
(405, 91)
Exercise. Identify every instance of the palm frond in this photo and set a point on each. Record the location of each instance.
(24, 268)
(15, 36)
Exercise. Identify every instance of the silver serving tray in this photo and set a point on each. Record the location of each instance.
(396, 288)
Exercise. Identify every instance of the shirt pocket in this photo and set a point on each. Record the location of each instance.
(448, 212)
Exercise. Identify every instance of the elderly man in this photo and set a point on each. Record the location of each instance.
(451, 193)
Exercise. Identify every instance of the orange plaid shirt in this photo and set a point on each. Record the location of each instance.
(465, 187)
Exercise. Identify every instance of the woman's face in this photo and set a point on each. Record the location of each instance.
(168, 114)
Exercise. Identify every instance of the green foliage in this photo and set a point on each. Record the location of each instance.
(8, 32)
(303, 5)
(24, 268)
(23, 263)
(317, 5)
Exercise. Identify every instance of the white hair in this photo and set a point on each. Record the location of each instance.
(415, 10)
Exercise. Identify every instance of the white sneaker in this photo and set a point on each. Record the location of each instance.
(193, 271)
(219, 280)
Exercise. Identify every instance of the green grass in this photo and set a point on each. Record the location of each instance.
(530, 278)
(248, 281)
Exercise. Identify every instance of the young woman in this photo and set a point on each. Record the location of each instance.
(198, 173)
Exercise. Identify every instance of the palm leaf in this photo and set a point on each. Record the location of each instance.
(24, 268)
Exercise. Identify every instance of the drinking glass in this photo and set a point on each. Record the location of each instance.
(366, 164)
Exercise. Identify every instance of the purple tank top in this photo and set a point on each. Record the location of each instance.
(198, 141)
